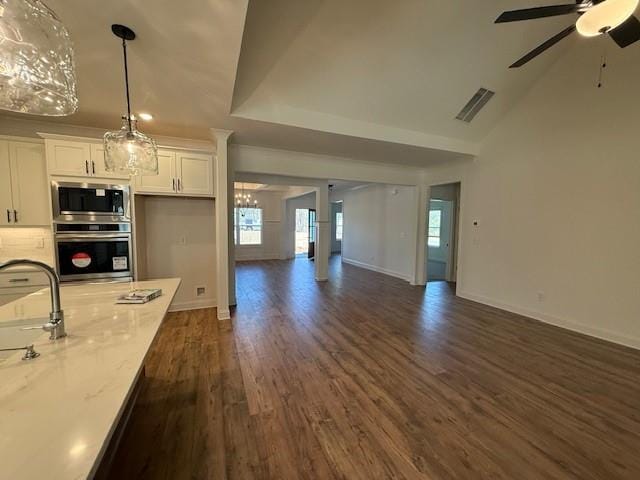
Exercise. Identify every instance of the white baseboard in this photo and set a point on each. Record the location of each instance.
(192, 305)
(601, 333)
(224, 314)
(260, 256)
(375, 268)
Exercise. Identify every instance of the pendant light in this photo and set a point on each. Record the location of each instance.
(37, 72)
(129, 151)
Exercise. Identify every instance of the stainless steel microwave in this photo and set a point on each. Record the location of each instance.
(90, 202)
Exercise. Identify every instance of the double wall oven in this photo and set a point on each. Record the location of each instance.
(92, 231)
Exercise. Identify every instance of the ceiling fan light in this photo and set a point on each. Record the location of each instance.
(605, 16)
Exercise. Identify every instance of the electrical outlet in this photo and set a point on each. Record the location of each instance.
(540, 296)
(200, 291)
(39, 242)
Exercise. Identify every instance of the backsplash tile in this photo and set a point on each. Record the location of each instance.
(31, 243)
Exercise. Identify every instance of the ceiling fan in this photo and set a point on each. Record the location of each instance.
(596, 17)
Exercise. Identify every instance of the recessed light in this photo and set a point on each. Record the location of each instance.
(145, 116)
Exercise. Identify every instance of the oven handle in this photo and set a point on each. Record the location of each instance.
(79, 237)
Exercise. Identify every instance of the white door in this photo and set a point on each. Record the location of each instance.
(194, 172)
(69, 158)
(6, 203)
(165, 181)
(98, 168)
(29, 184)
(439, 234)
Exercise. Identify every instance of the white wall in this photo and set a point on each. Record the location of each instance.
(168, 221)
(556, 194)
(271, 248)
(380, 229)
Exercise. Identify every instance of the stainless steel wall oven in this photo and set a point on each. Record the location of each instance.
(94, 252)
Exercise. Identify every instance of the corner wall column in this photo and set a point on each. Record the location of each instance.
(221, 179)
(423, 195)
(323, 233)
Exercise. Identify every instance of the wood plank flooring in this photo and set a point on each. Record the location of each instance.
(367, 377)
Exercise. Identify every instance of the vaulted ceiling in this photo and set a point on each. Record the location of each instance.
(365, 79)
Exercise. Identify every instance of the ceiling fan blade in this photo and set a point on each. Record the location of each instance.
(538, 12)
(541, 48)
(627, 32)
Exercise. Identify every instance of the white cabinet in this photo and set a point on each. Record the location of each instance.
(17, 284)
(6, 199)
(24, 193)
(77, 159)
(165, 181)
(194, 173)
(179, 173)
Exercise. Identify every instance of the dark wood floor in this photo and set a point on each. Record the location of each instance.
(366, 377)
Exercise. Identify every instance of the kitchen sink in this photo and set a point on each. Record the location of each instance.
(12, 335)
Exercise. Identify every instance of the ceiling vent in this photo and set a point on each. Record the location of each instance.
(473, 106)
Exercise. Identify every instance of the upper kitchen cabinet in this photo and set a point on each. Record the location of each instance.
(165, 181)
(24, 194)
(77, 159)
(195, 170)
(179, 173)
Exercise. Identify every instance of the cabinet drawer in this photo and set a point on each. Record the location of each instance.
(23, 279)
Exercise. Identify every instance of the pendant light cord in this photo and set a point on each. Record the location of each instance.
(126, 82)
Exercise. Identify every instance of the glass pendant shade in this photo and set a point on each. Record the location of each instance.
(37, 72)
(605, 16)
(130, 152)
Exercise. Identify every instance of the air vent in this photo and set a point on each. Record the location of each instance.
(473, 106)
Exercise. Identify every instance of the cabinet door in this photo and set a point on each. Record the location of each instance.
(195, 173)
(6, 204)
(29, 184)
(97, 166)
(69, 158)
(165, 181)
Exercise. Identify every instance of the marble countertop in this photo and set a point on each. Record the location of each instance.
(58, 411)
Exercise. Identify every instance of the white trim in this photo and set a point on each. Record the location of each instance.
(15, 138)
(192, 305)
(174, 143)
(375, 268)
(224, 314)
(258, 256)
(567, 324)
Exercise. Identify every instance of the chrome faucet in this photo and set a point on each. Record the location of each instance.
(55, 325)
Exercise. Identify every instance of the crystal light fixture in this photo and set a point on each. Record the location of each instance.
(129, 151)
(37, 72)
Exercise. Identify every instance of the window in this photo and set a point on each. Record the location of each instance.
(247, 223)
(433, 234)
(338, 225)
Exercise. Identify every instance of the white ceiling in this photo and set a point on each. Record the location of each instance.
(365, 79)
(409, 66)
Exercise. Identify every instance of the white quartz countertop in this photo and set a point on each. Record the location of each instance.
(58, 411)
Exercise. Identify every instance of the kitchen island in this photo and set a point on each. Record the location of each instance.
(59, 411)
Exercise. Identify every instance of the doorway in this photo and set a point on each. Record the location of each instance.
(442, 233)
(305, 232)
(302, 231)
